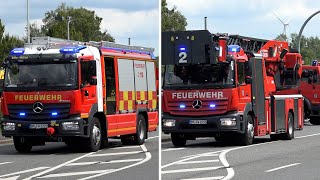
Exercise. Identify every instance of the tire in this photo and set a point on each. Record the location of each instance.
(248, 136)
(140, 136)
(178, 140)
(94, 141)
(290, 132)
(22, 146)
(314, 120)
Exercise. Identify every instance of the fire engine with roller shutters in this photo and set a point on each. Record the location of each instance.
(228, 87)
(79, 93)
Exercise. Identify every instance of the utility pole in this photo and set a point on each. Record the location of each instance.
(68, 26)
(129, 41)
(28, 26)
(205, 23)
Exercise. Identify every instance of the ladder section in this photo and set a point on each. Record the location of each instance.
(248, 44)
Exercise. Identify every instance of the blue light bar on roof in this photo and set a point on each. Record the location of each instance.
(17, 51)
(72, 49)
(233, 48)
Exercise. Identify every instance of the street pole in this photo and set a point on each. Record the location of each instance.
(129, 42)
(304, 24)
(68, 24)
(28, 26)
(205, 23)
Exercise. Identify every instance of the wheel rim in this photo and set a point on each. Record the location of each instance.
(290, 127)
(141, 130)
(250, 129)
(96, 135)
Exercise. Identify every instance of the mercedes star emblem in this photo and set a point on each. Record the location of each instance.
(197, 104)
(37, 107)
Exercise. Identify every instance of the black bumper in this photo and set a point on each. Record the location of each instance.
(213, 125)
(22, 128)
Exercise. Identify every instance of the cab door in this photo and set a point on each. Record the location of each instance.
(88, 85)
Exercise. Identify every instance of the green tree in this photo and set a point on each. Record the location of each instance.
(84, 24)
(7, 42)
(172, 19)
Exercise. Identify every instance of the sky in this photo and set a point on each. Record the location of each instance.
(138, 19)
(253, 18)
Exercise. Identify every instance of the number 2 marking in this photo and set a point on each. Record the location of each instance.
(182, 56)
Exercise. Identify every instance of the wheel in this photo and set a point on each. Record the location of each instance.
(22, 144)
(314, 121)
(94, 141)
(290, 132)
(178, 140)
(248, 136)
(140, 136)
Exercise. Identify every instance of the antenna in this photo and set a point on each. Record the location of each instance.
(285, 25)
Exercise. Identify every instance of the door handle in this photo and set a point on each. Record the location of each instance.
(86, 93)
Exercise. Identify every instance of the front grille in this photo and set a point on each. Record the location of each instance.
(62, 111)
(220, 108)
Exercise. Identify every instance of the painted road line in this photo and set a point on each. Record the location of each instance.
(152, 137)
(172, 149)
(204, 155)
(206, 178)
(191, 170)
(74, 174)
(83, 163)
(282, 167)
(121, 161)
(59, 166)
(198, 162)
(10, 178)
(24, 171)
(148, 157)
(126, 147)
(5, 163)
(115, 154)
(310, 135)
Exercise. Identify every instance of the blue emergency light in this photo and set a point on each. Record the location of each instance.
(182, 106)
(72, 49)
(182, 48)
(22, 114)
(17, 51)
(54, 113)
(212, 105)
(233, 48)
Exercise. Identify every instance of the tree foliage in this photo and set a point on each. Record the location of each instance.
(84, 24)
(309, 46)
(172, 19)
(7, 42)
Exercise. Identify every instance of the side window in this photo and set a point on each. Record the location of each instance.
(241, 72)
(88, 72)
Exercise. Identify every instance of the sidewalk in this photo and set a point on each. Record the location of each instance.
(4, 140)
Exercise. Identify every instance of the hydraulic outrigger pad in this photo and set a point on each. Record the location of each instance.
(188, 47)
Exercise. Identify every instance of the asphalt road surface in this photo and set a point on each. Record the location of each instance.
(205, 159)
(57, 161)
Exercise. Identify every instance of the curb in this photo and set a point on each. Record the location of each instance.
(6, 141)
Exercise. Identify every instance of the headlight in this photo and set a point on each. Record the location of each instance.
(7, 126)
(228, 121)
(70, 126)
(169, 122)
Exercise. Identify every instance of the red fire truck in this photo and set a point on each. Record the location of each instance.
(211, 89)
(79, 93)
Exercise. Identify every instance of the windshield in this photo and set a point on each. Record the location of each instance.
(35, 75)
(221, 74)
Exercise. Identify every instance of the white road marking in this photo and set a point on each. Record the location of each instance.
(10, 178)
(203, 155)
(103, 162)
(172, 149)
(5, 163)
(121, 161)
(206, 178)
(24, 171)
(83, 163)
(74, 173)
(191, 170)
(230, 174)
(148, 157)
(152, 137)
(126, 147)
(115, 154)
(198, 162)
(310, 135)
(281, 167)
(59, 166)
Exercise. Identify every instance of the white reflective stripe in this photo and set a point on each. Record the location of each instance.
(287, 96)
(141, 102)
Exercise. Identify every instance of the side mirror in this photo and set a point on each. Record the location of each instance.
(248, 80)
(283, 53)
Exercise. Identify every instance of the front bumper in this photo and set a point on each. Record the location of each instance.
(213, 126)
(22, 128)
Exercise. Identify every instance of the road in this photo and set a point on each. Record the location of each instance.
(57, 161)
(206, 159)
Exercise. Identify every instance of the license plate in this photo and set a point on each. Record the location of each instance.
(38, 126)
(198, 122)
